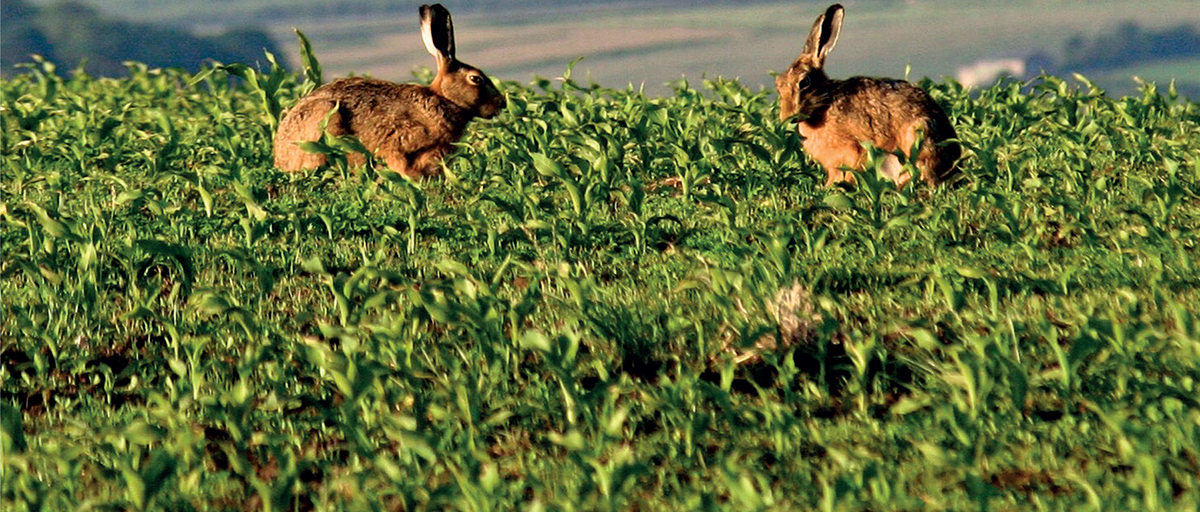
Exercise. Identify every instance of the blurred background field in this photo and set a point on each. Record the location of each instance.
(654, 43)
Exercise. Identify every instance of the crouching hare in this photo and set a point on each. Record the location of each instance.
(837, 115)
(409, 127)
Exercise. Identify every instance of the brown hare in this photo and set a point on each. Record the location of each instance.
(838, 115)
(409, 127)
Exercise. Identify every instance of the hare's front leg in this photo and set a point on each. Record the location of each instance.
(428, 163)
(397, 162)
(833, 150)
(420, 165)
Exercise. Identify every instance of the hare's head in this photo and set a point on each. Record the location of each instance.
(457, 81)
(801, 87)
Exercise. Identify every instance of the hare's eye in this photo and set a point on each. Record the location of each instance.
(475, 79)
(805, 81)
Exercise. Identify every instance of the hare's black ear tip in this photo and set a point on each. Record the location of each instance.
(835, 8)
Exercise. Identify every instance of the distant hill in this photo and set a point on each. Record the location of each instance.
(1129, 44)
(70, 33)
(222, 12)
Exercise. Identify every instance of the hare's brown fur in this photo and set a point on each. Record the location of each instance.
(839, 115)
(409, 127)
(888, 114)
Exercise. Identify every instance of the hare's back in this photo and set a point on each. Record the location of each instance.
(882, 104)
(880, 108)
(371, 97)
(385, 115)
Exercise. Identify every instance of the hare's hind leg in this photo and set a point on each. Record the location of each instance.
(938, 157)
(939, 160)
(932, 162)
(303, 124)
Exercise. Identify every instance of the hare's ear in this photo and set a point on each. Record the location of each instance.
(824, 34)
(437, 30)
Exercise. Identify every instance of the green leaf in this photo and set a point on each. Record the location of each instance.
(157, 473)
(142, 433)
(616, 422)
(572, 440)
(12, 433)
(547, 167)
(53, 226)
(969, 272)
(909, 405)
(536, 340)
(312, 68)
(453, 268)
(314, 266)
(839, 201)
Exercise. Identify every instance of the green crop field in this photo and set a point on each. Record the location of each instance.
(612, 301)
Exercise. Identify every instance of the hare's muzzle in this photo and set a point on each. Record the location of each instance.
(491, 108)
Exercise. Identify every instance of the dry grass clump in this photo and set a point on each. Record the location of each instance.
(798, 322)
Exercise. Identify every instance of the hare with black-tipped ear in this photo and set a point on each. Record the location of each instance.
(836, 116)
(409, 127)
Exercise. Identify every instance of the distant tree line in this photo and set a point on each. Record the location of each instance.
(1129, 45)
(70, 33)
